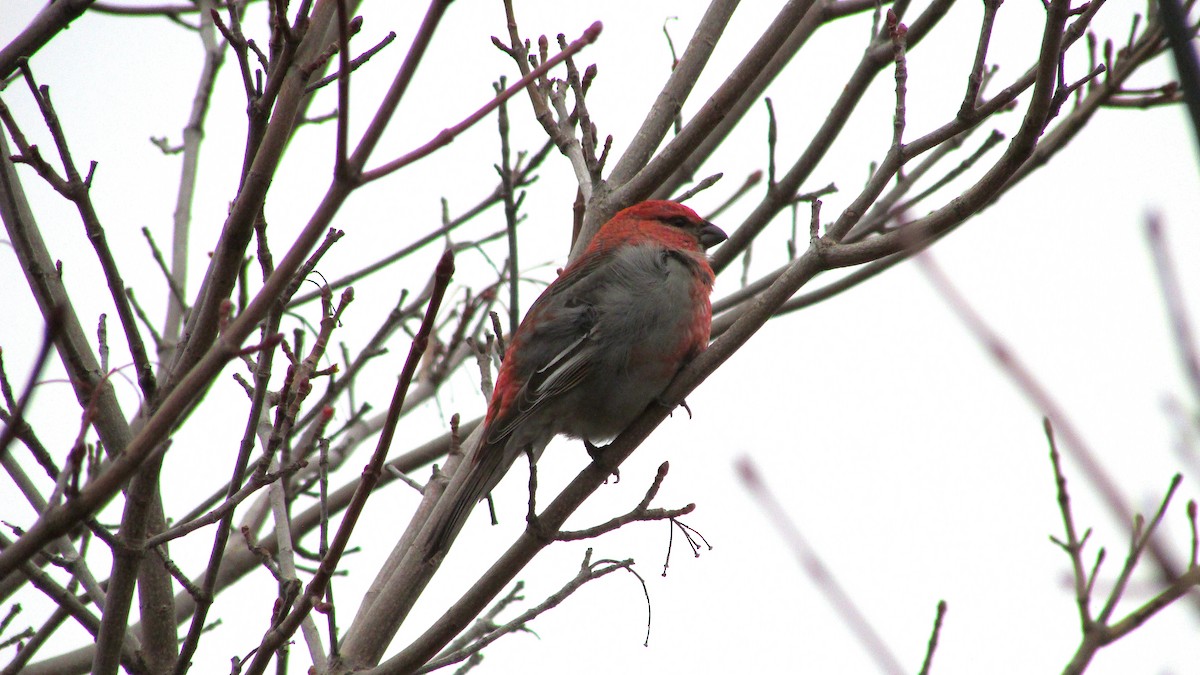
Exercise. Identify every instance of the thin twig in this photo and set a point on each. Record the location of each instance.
(17, 424)
(933, 638)
(355, 64)
(315, 590)
(446, 136)
(641, 512)
(588, 571)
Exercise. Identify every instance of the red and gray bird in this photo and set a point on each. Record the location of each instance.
(599, 345)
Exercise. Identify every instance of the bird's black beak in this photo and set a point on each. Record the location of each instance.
(711, 235)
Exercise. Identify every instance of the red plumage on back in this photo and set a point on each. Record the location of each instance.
(600, 344)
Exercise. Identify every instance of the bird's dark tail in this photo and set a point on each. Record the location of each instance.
(483, 472)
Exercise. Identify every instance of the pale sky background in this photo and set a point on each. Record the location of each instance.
(908, 460)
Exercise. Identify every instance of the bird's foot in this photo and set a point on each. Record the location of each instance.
(596, 453)
(682, 404)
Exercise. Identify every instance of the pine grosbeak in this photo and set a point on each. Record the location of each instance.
(599, 345)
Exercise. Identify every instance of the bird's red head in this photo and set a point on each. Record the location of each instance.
(669, 222)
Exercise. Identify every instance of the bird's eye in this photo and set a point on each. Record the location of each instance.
(679, 221)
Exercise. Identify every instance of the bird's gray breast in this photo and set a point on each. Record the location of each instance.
(643, 312)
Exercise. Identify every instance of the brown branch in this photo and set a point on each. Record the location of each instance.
(588, 571)
(203, 600)
(340, 159)
(1021, 147)
(657, 170)
(1142, 531)
(1073, 544)
(933, 638)
(508, 188)
(159, 10)
(542, 95)
(641, 512)
(188, 379)
(1011, 365)
(1181, 36)
(874, 60)
(67, 601)
(102, 488)
(698, 188)
(143, 507)
(1100, 632)
(16, 426)
(93, 390)
(446, 136)
(1048, 145)
(264, 150)
(240, 561)
(669, 102)
(193, 135)
(371, 475)
(899, 36)
(255, 483)
(355, 64)
(822, 13)
(975, 80)
(524, 177)
(751, 181)
(486, 622)
(34, 643)
(54, 17)
(76, 189)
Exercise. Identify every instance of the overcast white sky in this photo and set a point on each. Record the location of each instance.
(908, 460)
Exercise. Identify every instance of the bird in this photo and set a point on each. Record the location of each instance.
(598, 346)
